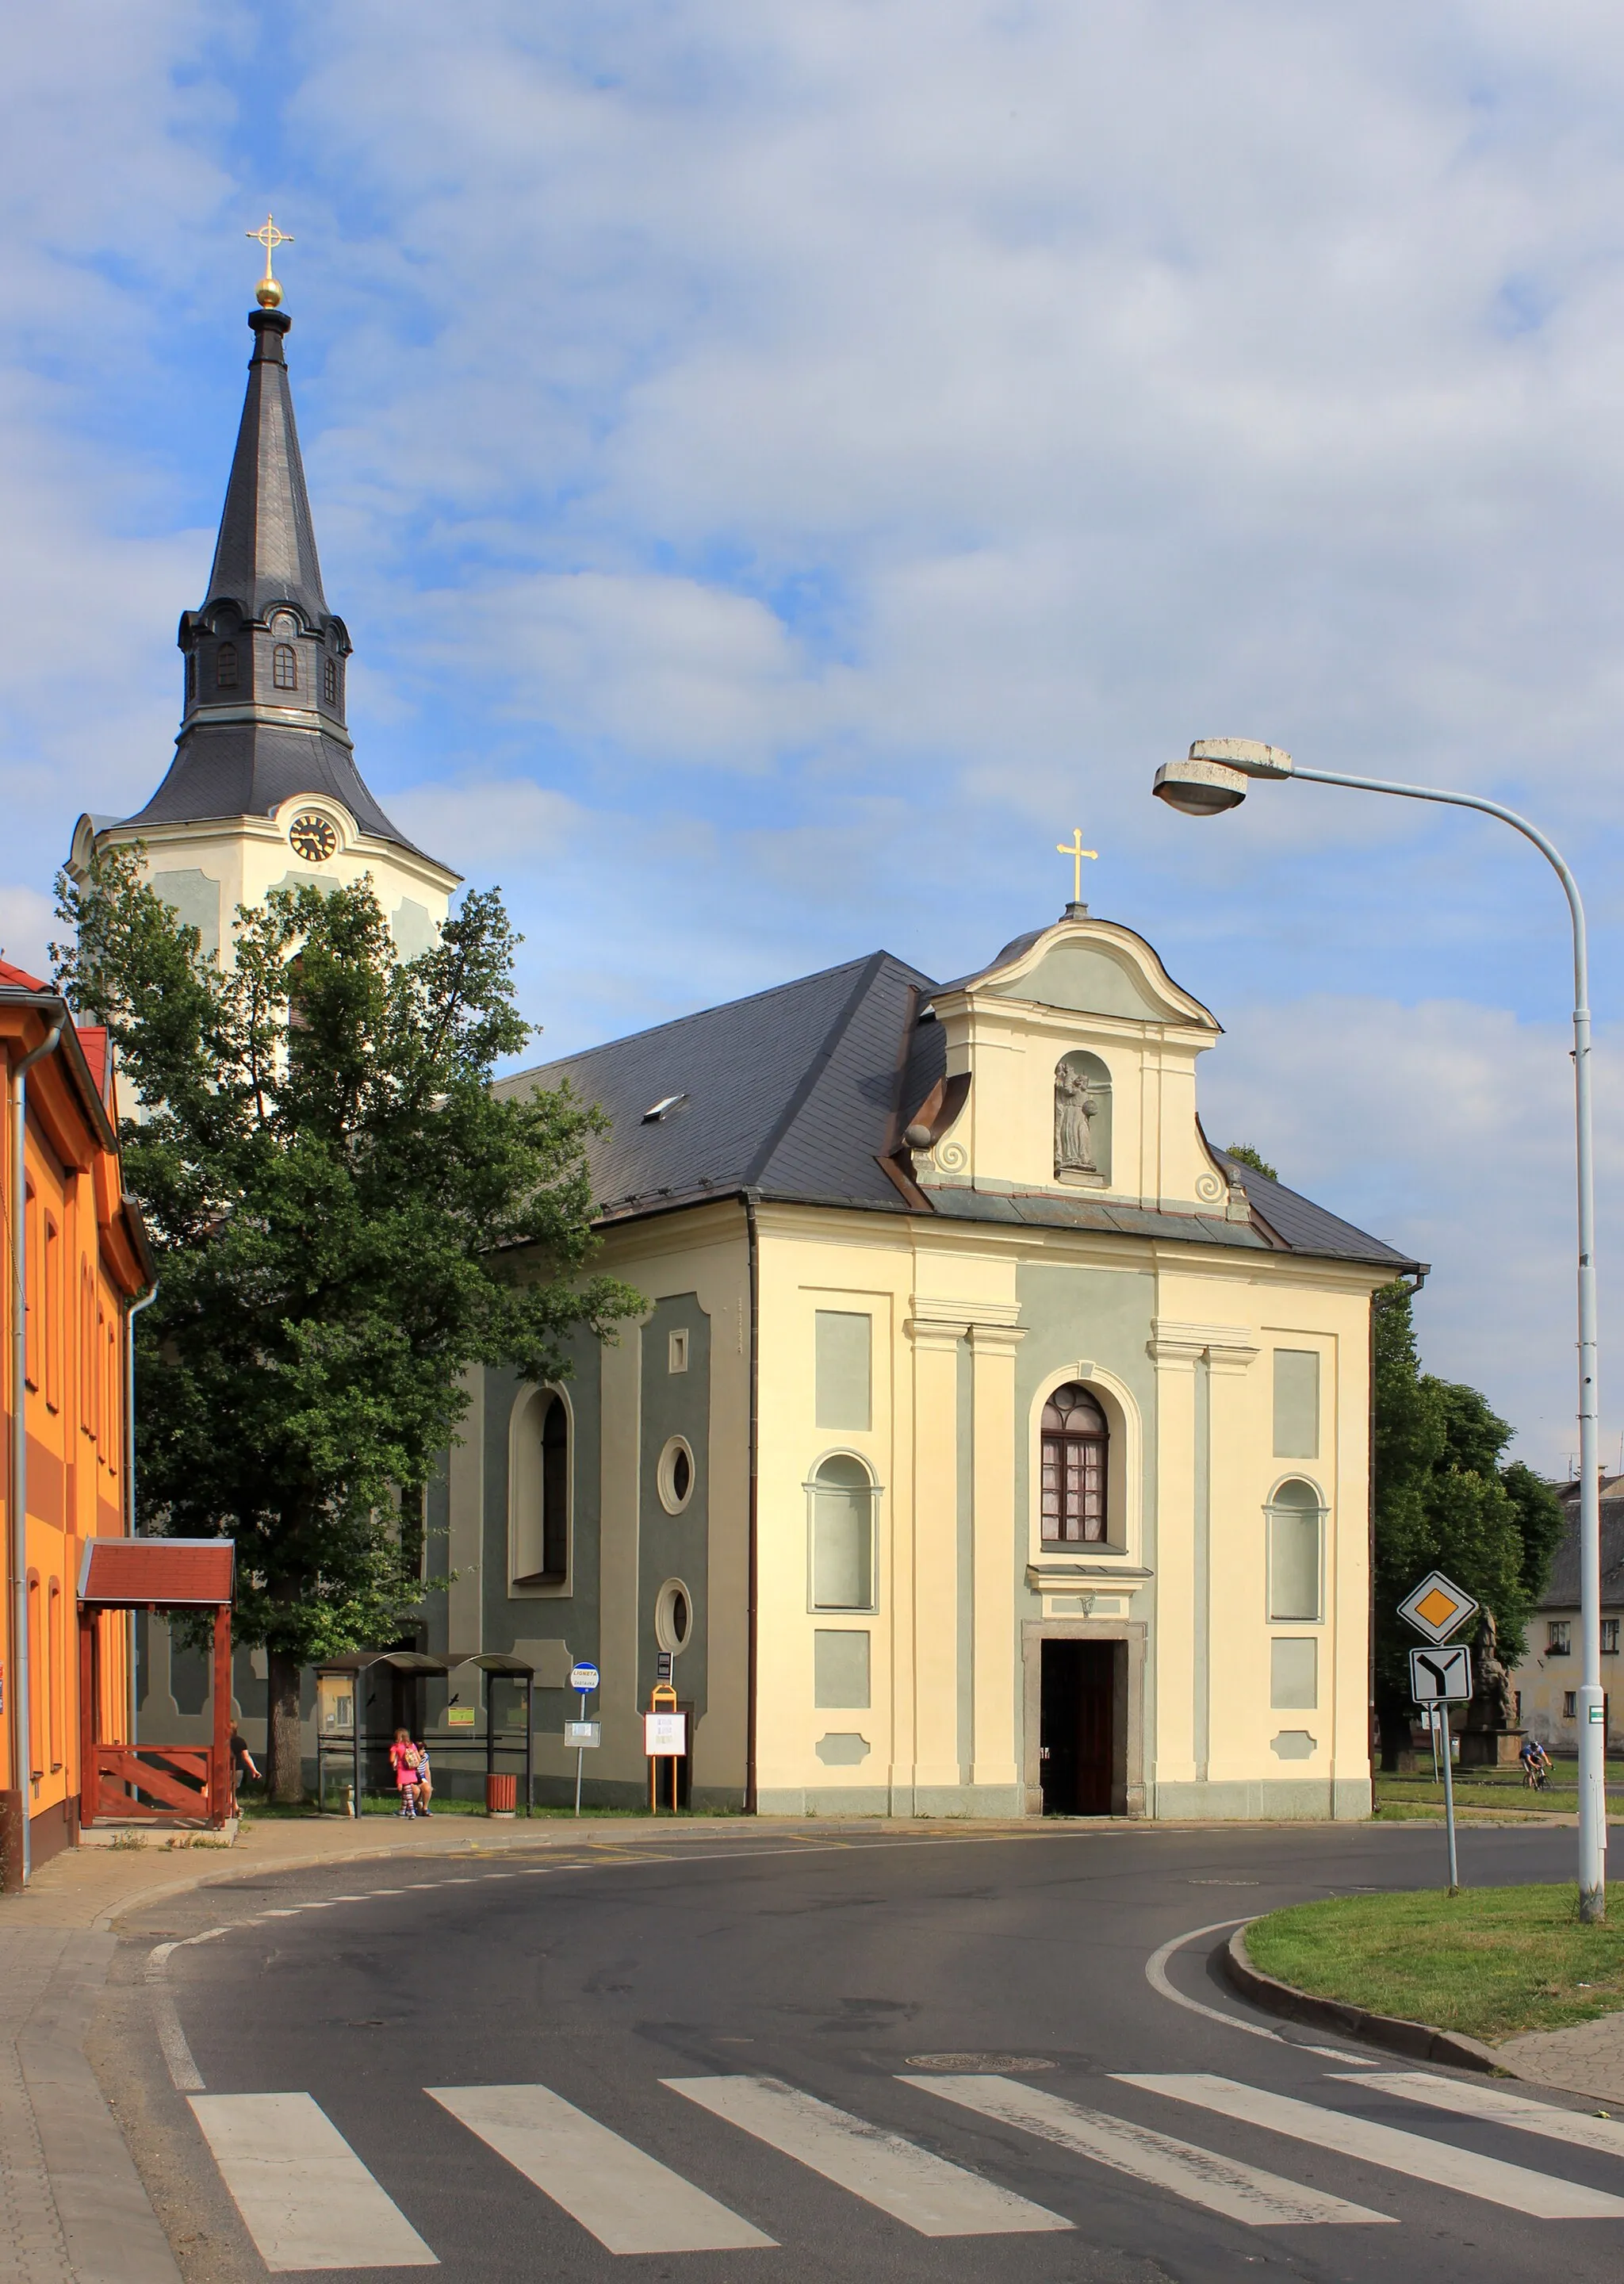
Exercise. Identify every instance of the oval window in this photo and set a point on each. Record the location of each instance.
(673, 1616)
(675, 1477)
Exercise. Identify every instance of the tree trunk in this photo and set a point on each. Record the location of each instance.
(1396, 1734)
(285, 1746)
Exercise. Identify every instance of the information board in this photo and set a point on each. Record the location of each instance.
(665, 1735)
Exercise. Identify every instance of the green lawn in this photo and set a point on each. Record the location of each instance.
(1498, 1790)
(1490, 1961)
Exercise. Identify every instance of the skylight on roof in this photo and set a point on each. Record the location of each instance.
(663, 1108)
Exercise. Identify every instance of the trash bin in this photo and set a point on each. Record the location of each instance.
(500, 1796)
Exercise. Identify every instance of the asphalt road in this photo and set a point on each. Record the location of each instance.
(967, 2014)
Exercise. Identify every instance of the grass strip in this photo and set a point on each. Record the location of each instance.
(1489, 1962)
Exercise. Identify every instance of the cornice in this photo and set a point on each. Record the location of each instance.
(269, 717)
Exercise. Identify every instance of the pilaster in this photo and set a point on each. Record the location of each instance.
(929, 1615)
(465, 1549)
(993, 1348)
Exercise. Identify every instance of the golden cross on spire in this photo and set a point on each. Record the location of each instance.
(1074, 850)
(269, 292)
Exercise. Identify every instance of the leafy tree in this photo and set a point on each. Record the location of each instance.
(345, 1218)
(1443, 1501)
(1245, 1154)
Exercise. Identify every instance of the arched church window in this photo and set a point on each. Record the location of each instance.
(225, 666)
(330, 680)
(1076, 1448)
(285, 667)
(539, 1490)
(842, 1535)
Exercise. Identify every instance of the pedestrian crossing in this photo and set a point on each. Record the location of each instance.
(309, 2202)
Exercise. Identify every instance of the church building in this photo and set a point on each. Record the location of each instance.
(991, 1444)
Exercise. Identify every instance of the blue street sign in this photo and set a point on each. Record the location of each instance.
(582, 1677)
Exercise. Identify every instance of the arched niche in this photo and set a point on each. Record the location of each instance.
(1082, 1121)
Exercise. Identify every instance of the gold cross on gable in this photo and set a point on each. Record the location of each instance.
(1074, 850)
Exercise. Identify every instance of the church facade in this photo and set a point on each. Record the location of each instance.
(991, 1444)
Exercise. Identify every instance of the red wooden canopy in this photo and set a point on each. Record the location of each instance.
(158, 1574)
(185, 1784)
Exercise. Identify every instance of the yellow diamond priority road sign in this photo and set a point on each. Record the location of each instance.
(1437, 1607)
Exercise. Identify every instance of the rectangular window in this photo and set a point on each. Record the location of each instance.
(1570, 1710)
(841, 1671)
(844, 1344)
(31, 1286)
(51, 1315)
(678, 1352)
(59, 1664)
(38, 1680)
(1297, 1376)
(1559, 1638)
(330, 681)
(1294, 1563)
(1610, 1638)
(1294, 1674)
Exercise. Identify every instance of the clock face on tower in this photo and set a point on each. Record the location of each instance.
(311, 836)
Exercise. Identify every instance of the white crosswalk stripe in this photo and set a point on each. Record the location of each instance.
(306, 2198)
(625, 2198)
(923, 2191)
(1243, 2192)
(1467, 2099)
(1437, 2163)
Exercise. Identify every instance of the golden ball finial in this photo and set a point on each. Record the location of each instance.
(267, 293)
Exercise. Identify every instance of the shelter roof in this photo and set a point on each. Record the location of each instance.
(168, 1574)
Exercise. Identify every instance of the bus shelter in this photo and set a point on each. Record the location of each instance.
(344, 1738)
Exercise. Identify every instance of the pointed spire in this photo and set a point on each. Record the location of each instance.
(266, 551)
(263, 717)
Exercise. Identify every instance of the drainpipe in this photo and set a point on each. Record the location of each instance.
(21, 1756)
(135, 1310)
(752, 1664)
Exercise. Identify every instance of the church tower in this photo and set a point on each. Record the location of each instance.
(263, 790)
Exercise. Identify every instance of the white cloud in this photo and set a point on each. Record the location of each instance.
(1448, 1129)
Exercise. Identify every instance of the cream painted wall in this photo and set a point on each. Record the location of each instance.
(249, 855)
(937, 1293)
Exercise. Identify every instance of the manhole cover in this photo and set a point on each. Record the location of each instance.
(1004, 2064)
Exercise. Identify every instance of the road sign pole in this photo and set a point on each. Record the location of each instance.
(580, 1754)
(1448, 1799)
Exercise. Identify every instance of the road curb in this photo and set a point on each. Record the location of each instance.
(1416, 2040)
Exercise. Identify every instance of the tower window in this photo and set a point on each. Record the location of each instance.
(330, 680)
(192, 674)
(225, 666)
(285, 667)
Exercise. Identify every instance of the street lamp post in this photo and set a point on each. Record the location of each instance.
(1214, 779)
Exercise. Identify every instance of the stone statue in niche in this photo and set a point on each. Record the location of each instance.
(1077, 1104)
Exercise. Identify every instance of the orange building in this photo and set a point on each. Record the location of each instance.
(76, 1257)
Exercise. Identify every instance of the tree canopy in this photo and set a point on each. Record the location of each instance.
(1245, 1154)
(345, 1218)
(1444, 1501)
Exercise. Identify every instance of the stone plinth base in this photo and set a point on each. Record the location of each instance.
(1490, 1748)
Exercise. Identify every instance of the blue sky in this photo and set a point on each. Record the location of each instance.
(782, 468)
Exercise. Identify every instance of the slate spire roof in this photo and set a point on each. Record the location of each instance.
(803, 1094)
(266, 660)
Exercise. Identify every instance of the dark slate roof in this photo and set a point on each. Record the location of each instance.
(1562, 1591)
(790, 1092)
(1305, 1227)
(246, 768)
(266, 550)
(800, 1093)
